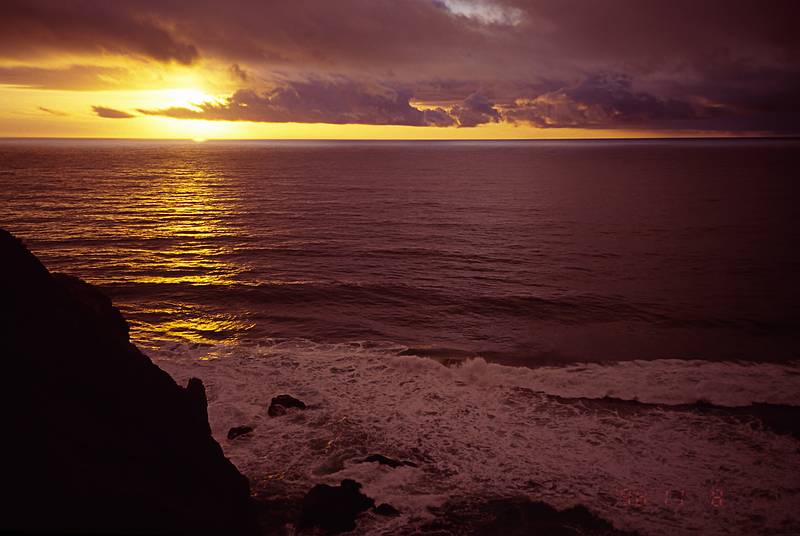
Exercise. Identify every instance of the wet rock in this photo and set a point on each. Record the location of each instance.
(112, 443)
(386, 509)
(281, 403)
(277, 513)
(334, 508)
(518, 516)
(383, 460)
(238, 431)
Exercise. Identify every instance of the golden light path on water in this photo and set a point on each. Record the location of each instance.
(189, 207)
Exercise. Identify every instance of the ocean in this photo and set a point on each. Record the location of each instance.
(535, 318)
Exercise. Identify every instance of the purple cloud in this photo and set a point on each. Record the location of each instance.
(316, 101)
(602, 100)
(475, 110)
(111, 113)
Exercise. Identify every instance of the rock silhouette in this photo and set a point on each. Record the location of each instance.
(386, 509)
(100, 440)
(391, 462)
(334, 508)
(281, 403)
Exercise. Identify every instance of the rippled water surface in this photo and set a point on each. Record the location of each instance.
(522, 252)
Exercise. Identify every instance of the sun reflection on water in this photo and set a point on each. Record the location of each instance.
(182, 221)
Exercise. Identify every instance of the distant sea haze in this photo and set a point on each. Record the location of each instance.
(606, 323)
(525, 253)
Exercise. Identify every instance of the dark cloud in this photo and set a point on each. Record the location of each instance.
(647, 35)
(475, 110)
(53, 112)
(438, 117)
(237, 73)
(73, 77)
(111, 113)
(33, 27)
(316, 101)
(602, 100)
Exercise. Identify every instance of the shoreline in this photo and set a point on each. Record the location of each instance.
(481, 426)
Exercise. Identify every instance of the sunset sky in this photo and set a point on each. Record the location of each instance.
(450, 69)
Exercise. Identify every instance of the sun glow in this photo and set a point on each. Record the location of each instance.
(184, 98)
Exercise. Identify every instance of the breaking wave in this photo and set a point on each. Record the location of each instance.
(476, 429)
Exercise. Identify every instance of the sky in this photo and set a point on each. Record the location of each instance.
(409, 69)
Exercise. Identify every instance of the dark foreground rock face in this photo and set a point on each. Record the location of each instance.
(97, 438)
(334, 508)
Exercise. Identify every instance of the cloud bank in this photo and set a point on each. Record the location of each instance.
(343, 102)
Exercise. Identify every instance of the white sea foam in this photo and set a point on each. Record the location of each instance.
(483, 429)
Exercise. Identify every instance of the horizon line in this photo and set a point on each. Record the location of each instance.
(435, 140)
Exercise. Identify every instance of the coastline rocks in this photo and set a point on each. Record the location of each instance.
(383, 460)
(100, 440)
(238, 431)
(334, 508)
(281, 403)
(386, 509)
(518, 516)
(196, 393)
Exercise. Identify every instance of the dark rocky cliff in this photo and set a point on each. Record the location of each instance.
(98, 439)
